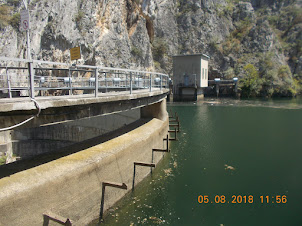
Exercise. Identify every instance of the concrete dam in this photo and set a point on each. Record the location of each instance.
(71, 146)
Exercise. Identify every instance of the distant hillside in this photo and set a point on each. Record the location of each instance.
(257, 41)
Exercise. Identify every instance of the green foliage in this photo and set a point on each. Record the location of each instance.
(78, 19)
(159, 52)
(285, 23)
(136, 51)
(229, 74)
(229, 7)
(266, 63)
(284, 72)
(14, 3)
(160, 48)
(276, 81)
(232, 45)
(251, 83)
(3, 159)
(185, 7)
(227, 10)
(287, 87)
(214, 44)
(273, 20)
(297, 85)
(268, 74)
(15, 21)
(242, 28)
(157, 66)
(79, 16)
(289, 16)
(5, 11)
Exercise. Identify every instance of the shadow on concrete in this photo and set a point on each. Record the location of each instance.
(18, 166)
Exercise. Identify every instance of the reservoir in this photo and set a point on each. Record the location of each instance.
(236, 162)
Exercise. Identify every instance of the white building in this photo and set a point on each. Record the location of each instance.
(190, 76)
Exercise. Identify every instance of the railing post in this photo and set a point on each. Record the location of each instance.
(31, 80)
(8, 84)
(96, 83)
(105, 82)
(69, 82)
(130, 82)
(150, 82)
(161, 81)
(126, 82)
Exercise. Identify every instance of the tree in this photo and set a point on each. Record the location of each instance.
(251, 83)
(268, 74)
(287, 87)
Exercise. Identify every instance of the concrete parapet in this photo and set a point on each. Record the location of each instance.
(71, 186)
(157, 110)
(29, 142)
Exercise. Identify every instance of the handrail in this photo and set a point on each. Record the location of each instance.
(79, 66)
(43, 78)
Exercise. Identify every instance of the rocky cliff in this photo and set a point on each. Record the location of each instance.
(255, 40)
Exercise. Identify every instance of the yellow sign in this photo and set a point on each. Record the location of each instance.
(75, 53)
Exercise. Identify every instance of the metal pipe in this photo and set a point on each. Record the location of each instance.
(105, 82)
(140, 164)
(150, 82)
(109, 184)
(69, 82)
(161, 81)
(130, 82)
(31, 80)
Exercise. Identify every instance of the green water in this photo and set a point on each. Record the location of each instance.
(260, 139)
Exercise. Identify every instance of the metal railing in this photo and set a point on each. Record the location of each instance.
(21, 77)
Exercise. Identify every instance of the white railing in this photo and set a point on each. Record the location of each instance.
(21, 77)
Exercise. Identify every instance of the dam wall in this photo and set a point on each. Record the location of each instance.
(71, 186)
(29, 142)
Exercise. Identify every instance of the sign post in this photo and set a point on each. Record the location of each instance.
(24, 26)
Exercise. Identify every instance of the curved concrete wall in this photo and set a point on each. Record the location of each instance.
(29, 142)
(71, 186)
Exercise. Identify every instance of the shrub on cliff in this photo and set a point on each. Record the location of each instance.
(286, 87)
(160, 48)
(4, 16)
(251, 83)
(15, 21)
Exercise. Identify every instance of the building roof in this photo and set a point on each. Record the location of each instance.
(196, 54)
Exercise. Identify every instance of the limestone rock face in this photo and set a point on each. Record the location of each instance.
(243, 10)
(144, 34)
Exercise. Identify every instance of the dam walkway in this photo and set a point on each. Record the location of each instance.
(44, 89)
(22, 77)
(46, 106)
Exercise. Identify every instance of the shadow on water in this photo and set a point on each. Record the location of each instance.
(18, 166)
